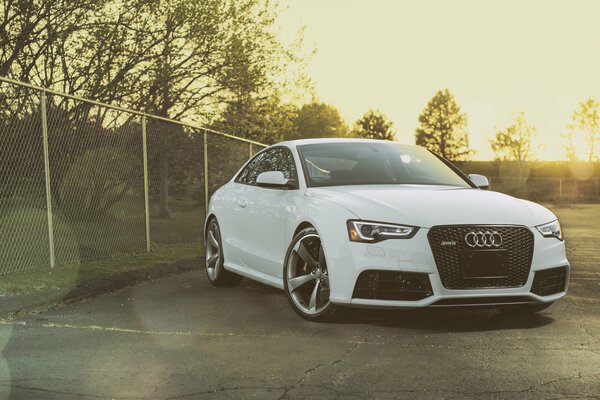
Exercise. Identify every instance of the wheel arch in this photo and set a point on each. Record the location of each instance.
(209, 218)
(303, 225)
(300, 226)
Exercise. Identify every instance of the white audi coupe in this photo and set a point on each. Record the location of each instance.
(339, 223)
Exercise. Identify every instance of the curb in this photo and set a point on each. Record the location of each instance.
(22, 305)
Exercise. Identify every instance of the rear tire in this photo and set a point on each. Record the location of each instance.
(215, 272)
(306, 279)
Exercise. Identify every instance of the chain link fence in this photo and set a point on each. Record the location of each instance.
(549, 190)
(81, 180)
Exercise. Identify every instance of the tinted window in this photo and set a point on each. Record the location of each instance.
(360, 163)
(278, 159)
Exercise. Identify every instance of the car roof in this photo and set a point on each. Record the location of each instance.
(300, 142)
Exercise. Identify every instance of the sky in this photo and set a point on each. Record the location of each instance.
(497, 57)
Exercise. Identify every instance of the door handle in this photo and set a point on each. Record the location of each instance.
(242, 203)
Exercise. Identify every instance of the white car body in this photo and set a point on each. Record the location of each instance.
(259, 223)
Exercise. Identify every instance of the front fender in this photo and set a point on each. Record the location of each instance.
(329, 220)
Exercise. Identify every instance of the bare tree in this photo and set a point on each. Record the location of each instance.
(30, 31)
(175, 58)
(586, 119)
(514, 142)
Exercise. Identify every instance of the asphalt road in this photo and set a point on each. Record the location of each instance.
(179, 338)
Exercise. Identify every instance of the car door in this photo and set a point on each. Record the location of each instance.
(235, 217)
(261, 216)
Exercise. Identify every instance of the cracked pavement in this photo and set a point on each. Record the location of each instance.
(179, 338)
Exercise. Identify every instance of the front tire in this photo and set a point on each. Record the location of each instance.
(306, 278)
(215, 272)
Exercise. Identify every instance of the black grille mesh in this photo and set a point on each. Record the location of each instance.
(517, 240)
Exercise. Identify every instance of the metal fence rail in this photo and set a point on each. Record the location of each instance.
(82, 180)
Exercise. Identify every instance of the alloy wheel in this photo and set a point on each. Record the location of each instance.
(307, 275)
(213, 251)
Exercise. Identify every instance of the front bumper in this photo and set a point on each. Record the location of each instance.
(415, 255)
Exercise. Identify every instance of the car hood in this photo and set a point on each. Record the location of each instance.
(426, 206)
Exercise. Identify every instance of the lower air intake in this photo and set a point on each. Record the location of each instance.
(549, 281)
(391, 285)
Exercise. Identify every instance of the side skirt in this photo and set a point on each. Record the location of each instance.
(256, 276)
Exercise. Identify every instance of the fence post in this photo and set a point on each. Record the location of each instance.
(249, 150)
(205, 173)
(146, 191)
(560, 189)
(47, 178)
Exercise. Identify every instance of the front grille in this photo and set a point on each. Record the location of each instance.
(392, 285)
(516, 240)
(549, 281)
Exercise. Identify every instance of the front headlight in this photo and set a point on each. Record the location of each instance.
(551, 229)
(371, 232)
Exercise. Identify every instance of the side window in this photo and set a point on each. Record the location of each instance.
(252, 170)
(282, 160)
(278, 159)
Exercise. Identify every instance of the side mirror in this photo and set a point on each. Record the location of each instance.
(274, 179)
(481, 181)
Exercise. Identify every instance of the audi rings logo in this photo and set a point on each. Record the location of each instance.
(483, 239)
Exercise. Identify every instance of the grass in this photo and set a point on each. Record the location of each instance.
(65, 277)
(93, 248)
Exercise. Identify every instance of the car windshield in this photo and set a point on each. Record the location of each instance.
(364, 163)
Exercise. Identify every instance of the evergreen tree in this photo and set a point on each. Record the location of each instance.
(443, 128)
(315, 120)
(374, 125)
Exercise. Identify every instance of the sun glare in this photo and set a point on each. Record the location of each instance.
(497, 58)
